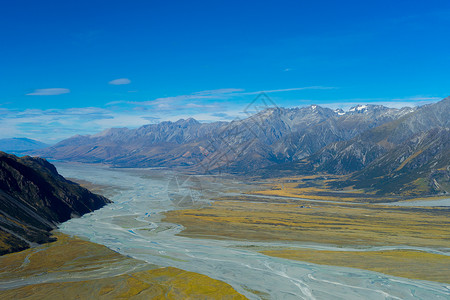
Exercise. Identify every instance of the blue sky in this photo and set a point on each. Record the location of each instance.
(79, 67)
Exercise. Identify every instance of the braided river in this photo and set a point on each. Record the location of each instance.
(133, 226)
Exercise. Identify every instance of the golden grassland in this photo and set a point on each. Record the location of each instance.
(341, 224)
(403, 263)
(317, 187)
(135, 279)
(311, 187)
(330, 223)
(66, 254)
(307, 193)
(164, 283)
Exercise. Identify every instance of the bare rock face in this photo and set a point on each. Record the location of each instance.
(34, 199)
(294, 141)
(274, 135)
(354, 154)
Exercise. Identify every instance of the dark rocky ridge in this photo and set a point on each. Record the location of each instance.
(34, 199)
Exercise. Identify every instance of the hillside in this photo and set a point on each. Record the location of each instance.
(272, 136)
(34, 198)
(420, 165)
(368, 142)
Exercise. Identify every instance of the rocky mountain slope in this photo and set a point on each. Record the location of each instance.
(272, 136)
(296, 141)
(34, 198)
(354, 154)
(406, 155)
(420, 165)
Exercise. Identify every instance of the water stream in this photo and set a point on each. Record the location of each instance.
(132, 226)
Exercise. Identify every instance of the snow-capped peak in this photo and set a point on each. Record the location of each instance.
(358, 108)
(339, 111)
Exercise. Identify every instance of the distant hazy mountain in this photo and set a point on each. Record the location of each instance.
(34, 198)
(296, 141)
(18, 145)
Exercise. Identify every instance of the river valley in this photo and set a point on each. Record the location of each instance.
(134, 226)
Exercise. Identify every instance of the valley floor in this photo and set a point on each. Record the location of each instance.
(78, 269)
(259, 245)
(409, 242)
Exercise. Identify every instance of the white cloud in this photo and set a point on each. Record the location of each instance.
(49, 92)
(411, 101)
(120, 81)
(116, 102)
(52, 125)
(419, 98)
(291, 90)
(164, 102)
(218, 91)
(167, 102)
(196, 105)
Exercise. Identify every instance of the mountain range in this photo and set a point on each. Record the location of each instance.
(34, 199)
(380, 148)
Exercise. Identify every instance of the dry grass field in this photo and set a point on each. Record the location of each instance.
(70, 258)
(342, 223)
